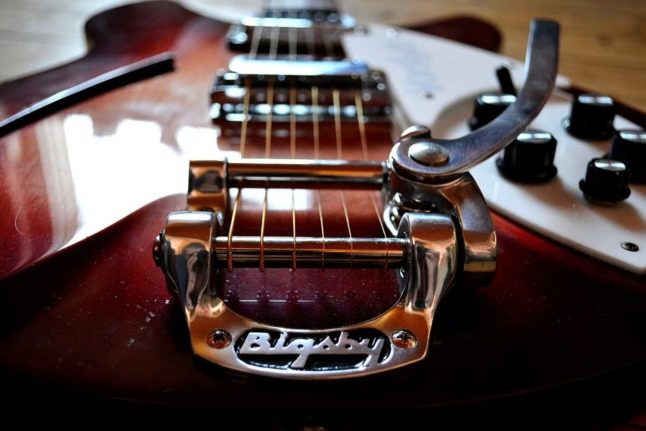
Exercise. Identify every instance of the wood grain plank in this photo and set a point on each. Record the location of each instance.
(603, 42)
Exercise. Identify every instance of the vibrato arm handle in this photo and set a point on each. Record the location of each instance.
(447, 158)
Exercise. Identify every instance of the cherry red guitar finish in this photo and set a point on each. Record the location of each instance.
(96, 318)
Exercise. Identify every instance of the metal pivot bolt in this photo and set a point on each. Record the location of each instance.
(430, 164)
(428, 153)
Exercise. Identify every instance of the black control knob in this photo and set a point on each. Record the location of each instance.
(606, 180)
(530, 158)
(591, 117)
(488, 106)
(629, 146)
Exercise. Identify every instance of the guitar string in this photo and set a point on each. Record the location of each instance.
(311, 47)
(292, 153)
(347, 222)
(329, 49)
(316, 138)
(336, 98)
(330, 38)
(269, 120)
(339, 153)
(253, 53)
(293, 230)
(273, 50)
(255, 42)
(315, 120)
(273, 42)
(315, 132)
(339, 142)
(358, 104)
(293, 44)
(292, 120)
(361, 122)
(292, 36)
(262, 231)
(234, 213)
(320, 208)
(273, 54)
(245, 118)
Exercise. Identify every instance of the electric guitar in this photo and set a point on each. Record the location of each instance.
(346, 242)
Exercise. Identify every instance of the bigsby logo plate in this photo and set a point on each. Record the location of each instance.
(340, 350)
(395, 338)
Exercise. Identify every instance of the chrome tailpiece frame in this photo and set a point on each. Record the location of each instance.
(427, 248)
(439, 230)
(426, 251)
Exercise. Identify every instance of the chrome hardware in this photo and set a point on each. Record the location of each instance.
(462, 199)
(239, 93)
(416, 131)
(428, 153)
(219, 339)
(404, 339)
(220, 335)
(330, 21)
(281, 251)
(210, 180)
(427, 244)
(308, 29)
(316, 70)
(429, 175)
(465, 152)
(438, 227)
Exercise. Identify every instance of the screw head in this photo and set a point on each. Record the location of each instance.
(158, 254)
(630, 246)
(416, 131)
(404, 339)
(428, 153)
(218, 339)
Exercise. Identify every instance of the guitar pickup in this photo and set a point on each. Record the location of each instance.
(308, 71)
(313, 31)
(254, 88)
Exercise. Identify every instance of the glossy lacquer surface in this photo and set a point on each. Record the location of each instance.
(77, 171)
(97, 318)
(109, 325)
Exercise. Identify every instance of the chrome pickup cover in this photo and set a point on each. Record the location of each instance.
(230, 100)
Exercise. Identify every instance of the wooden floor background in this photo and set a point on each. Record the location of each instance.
(603, 42)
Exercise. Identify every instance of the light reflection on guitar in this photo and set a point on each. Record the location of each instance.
(508, 332)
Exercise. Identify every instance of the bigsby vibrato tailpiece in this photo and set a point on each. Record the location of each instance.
(438, 223)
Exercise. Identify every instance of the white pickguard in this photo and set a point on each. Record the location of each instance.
(435, 81)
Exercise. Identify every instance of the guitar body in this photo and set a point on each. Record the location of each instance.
(85, 312)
